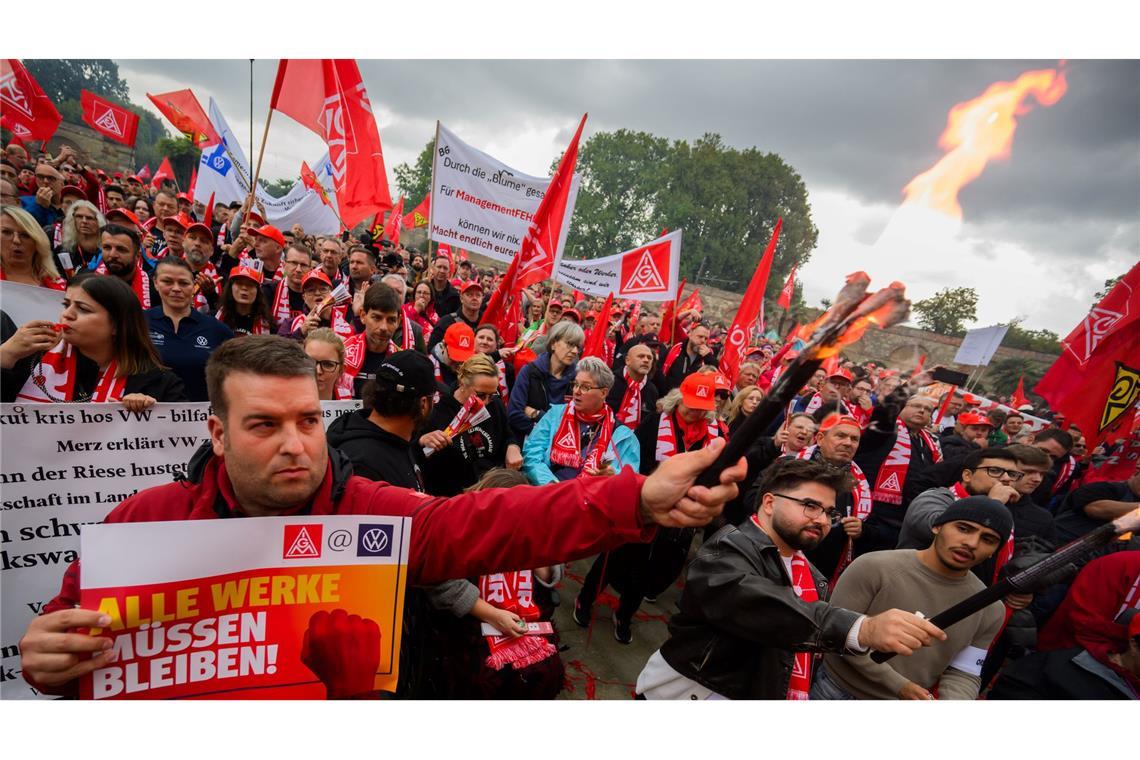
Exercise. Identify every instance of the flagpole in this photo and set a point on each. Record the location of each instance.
(261, 153)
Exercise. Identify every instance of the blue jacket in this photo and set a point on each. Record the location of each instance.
(623, 449)
(45, 216)
(536, 387)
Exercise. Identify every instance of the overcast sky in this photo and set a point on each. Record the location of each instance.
(1041, 231)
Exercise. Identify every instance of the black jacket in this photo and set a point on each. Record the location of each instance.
(648, 396)
(446, 301)
(376, 454)
(1059, 674)
(740, 623)
(448, 471)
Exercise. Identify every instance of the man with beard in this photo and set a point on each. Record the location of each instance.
(197, 250)
(361, 267)
(470, 309)
(165, 205)
(331, 254)
(386, 330)
(935, 578)
(685, 358)
(122, 258)
(715, 651)
(444, 294)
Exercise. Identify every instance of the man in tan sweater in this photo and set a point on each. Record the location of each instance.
(928, 581)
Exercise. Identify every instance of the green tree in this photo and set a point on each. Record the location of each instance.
(1045, 341)
(1001, 377)
(278, 188)
(183, 155)
(62, 79)
(414, 181)
(947, 311)
(1108, 285)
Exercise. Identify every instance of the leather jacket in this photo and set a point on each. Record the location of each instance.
(740, 622)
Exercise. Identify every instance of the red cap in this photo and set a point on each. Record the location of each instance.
(841, 374)
(72, 190)
(835, 420)
(722, 382)
(127, 216)
(317, 275)
(135, 177)
(888, 373)
(572, 313)
(271, 232)
(185, 197)
(252, 274)
(469, 284)
(251, 215)
(118, 175)
(973, 418)
(592, 315)
(698, 391)
(523, 357)
(181, 220)
(200, 227)
(101, 173)
(460, 342)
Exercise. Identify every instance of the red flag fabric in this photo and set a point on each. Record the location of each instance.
(419, 216)
(182, 109)
(1018, 398)
(144, 173)
(785, 299)
(25, 110)
(392, 227)
(445, 250)
(738, 335)
(165, 172)
(669, 316)
(692, 302)
(328, 97)
(1095, 382)
(921, 362)
(309, 180)
(596, 341)
(109, 119)
(193, 181)
(540, 243)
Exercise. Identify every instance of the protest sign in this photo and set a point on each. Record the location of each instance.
(260, 608)
(23, 303)
(481, 204)
(979, 345)
(65, 466)
(646, 273)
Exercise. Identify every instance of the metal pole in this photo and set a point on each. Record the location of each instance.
(250, 110)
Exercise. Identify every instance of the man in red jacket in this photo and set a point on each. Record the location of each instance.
(269, 457)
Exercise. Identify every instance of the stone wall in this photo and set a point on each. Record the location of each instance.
(93, 148)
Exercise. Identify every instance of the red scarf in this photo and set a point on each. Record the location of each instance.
(503, 392)
(1005, 554)
(514, 592)
(56, 283)
(140, 283)
(566, 450)
(629, 412)
(892, 473)
(671, 357)
(339, 322)
(860, 507)
(702, 430)
(200, 301)
(282, 313)
(803, 584)
(55, 375)
(1065, 474)
(356, 347)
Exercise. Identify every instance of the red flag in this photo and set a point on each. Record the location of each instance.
(109, 119)
(596, 340)
(738, 335)
(463, 255)
(193, 181)
(209, 215)
(445, 250)
(328, 97)
(785, 299)
(918, 367)
(144, 173)
(309, 180)
(418, 217)
(1095, 382)
(1018, 398)
(669, 316)
(692, 302)
(392, 227)
(24, 108)
(184, 111)
(165, 171)
(540, 244)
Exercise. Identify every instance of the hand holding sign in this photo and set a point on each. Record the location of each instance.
(343, 651)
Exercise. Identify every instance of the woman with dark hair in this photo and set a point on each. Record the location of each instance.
(143, 208)
(244, 307)
(100, 351)
(421, 309)
(184, 337)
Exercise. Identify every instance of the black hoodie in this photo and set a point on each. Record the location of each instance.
(376, 454)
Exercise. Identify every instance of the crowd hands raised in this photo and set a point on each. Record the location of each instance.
(870, 504)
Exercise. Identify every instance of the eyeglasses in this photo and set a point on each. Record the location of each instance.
(9, 234)
(585, 388)
(812, 508)
(301, 264)
(46, 177)
(997, 472)
(485, 397)
(327, 365)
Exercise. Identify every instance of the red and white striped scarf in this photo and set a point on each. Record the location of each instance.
(211, 271)
(503, 392)
(1065, 475)
(338, 321)
(140, 283)
(356, 348)
(629, 411)
(703, 430)
(514, 592)
(282, 312)
(892, 473)
(860, 507)
(55, 375)
(566, 448)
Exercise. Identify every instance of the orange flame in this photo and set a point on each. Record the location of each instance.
(979, 130)
(880, 317)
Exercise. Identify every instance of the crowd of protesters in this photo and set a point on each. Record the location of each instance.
(869, 498)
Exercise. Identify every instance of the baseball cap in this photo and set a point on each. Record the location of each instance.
(572, 313)
(698, 391)
(973, 418)
(252, 215)
(200, 227)
(185, 197)
(469, 284)
(181, 220)
(317, 276)
(271, 232)
(841, 374)
(72, 190)
(135, 177)
(407, 372)
(721, 382)
(123, 215)
(247, 272)
(460, 342)
(981, 510)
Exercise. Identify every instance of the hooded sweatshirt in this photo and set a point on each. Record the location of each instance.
(376, 454)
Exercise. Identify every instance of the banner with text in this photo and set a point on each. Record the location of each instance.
(262, 608)
(647, 273)
(65, 466)
(480, 204)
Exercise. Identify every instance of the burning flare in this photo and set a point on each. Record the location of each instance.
(977, 131)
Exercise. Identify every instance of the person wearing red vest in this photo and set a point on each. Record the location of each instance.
(251, 469)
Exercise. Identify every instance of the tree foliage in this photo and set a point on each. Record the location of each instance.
(1108, 285)
(183, 155)
(278, 188)
(1001, 377)
(1045, 341)
(414, 181)
(947, 311)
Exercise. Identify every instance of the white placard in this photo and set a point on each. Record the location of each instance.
(979, 345)
(646, 273)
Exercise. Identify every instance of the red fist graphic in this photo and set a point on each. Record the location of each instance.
(343, 651)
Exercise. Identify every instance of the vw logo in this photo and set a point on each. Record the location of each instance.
(375, 540)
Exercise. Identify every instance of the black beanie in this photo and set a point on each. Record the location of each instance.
(981, 510)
